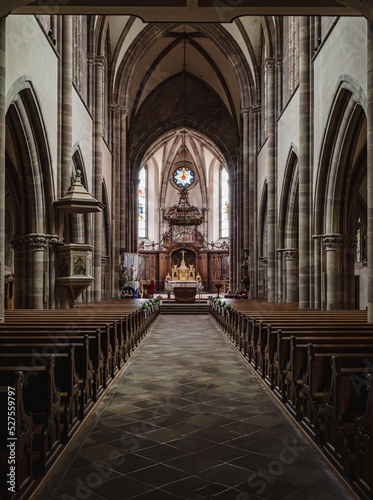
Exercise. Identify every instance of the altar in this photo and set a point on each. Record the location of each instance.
(184, 291)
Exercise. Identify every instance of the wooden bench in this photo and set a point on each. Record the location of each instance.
(363, 432)
(23, 439)
(42, 399)
(341, 404)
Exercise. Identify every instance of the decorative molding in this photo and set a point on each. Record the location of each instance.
(100, 61)
(124, 110)
(36, 241)
(290, 253)
(245, 112)
(270, 63)
(333, 241)
(18, 242)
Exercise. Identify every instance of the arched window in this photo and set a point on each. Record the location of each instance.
(293, 53)
(143, 208)
(224, 203)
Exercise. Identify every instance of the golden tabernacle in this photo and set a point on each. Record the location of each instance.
(183, 273)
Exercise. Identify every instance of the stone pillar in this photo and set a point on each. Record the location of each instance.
(317, 239)
(232, 229)
(304, 162)
(123, 179)
(36, 244)
(2, 160)
(370, 171)
(333, 244)
(349, 275)
(66, 103)
(271, 179)
(278, 85)
(52, 240)
(291, 273)
(115, 233)
(135, 216)
(99, 65)
(245, 112)
(20, 271)
(253, 200)
(91, 81)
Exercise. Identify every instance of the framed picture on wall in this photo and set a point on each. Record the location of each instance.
(183, 234)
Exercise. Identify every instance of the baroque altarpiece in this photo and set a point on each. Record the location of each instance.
(183, 246)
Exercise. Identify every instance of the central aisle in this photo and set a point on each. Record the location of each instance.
(188, 419)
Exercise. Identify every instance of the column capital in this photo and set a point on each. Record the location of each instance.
(333, 241)
(100, 61)
(90, 58)
(278, 61)
(114, 107)
(18, 242)
(36, 241)
(256, 108)
(270, 62)
(245, 112)
(290, 253)
(124, 110)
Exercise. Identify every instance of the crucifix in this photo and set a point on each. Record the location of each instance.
(183, 252)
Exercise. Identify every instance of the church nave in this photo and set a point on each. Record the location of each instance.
(187, 418)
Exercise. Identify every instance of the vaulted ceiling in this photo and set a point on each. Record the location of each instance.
(191, 10)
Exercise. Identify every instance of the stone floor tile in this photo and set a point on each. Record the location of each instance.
(186, 418)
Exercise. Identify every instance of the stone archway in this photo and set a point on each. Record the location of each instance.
(30, 191)
(341, 173)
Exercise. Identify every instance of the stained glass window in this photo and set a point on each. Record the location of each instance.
(142, 203)
(224, 203)
(184, 177)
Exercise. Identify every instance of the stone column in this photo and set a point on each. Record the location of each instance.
(370, 171)
(245, 112)
(135, 216)
(232, 228)
(91, 81)
(333, 244)
(253, 200)
(66, 103)
(271, 179)
(115, 242)
(2, 160)
(52, 241)
(317, 239)
(291, 273)
(99, 65)
(304, 162)
(123, 179)
(278, 85)
(36, 244)
(349, 275)
(20, 271)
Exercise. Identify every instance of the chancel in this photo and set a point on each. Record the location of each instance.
(211, 163)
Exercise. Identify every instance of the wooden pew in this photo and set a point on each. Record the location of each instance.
(42, 399)
(341, 404)
(23, 439)
(66, 377)
(363, 432)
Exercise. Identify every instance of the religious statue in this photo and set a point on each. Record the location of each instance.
(132, 273)
(245, 272)
(123, 273)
